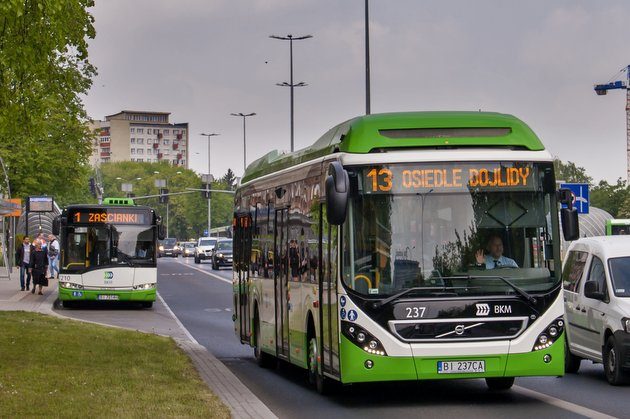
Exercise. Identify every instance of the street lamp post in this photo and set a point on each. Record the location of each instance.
(367, 59)
(291, 85)
(244, 116)
(207, 181)
(126, 185)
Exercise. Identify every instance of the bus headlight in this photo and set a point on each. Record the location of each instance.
(548, 336)
(71, 285)
(362, 339)
(144, 286)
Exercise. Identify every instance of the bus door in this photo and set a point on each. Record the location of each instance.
(281, 281)
(329, 326)
(243, 242)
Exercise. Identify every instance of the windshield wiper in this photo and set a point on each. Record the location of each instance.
(531, 299)
(388, 300)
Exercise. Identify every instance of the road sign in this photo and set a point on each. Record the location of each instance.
(205, 232)
(580, 196)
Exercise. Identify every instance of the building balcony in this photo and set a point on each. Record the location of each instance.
(156, 145)
(160, 136)
(105, 153)
(179, 156)
(179, 136)
(160, 156)
(175, 146)
(104, 133)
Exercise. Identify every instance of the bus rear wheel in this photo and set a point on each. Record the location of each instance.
(500, 383)
(263, 359)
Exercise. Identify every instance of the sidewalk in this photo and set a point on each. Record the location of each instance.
(241, 401)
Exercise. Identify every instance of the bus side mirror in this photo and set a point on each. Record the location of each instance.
(56, 225)
(570, 224)
(337, 192)
(565, 196)
(161, 232)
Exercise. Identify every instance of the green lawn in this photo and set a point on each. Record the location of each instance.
(51, 367)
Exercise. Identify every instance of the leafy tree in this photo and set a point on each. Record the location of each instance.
(44, 69)
(571, 173)
(611, 198)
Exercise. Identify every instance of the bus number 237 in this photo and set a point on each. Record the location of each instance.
(415, 312)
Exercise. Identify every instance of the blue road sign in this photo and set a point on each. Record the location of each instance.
(580, 196)
(205, 232)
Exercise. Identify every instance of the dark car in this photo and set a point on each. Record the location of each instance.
(222, 254)
(168, 247)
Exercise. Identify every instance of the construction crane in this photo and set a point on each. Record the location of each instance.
(602, 89)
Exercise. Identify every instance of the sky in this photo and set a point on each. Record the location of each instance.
(204, 59)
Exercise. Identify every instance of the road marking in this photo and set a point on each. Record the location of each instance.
(186, 332)
(571, 407)
(229, 281)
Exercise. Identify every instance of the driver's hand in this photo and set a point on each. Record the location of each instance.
(479, 256)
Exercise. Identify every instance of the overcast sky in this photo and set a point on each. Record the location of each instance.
(203, 59)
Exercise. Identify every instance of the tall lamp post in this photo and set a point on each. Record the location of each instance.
(126, 186)
(244, 116)
(207, 181)
(290, 84)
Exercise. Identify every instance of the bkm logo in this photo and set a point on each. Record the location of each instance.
(483, 309)
(108, 275)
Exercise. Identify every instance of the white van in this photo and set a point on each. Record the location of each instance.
(596, 280)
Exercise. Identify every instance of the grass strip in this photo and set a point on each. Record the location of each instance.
(51, 367)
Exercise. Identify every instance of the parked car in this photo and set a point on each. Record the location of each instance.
(596, 280)
(204, 248)
(168, 247)
(222, 254)
(188, 249)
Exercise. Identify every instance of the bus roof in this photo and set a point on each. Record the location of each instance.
(407, 130)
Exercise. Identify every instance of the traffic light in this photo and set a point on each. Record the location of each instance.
(163, 196)
(205, 194)
(93, 186)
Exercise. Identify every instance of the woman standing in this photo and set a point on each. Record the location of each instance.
(39, 267)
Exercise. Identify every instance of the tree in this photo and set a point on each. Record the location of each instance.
(609, 197)
(44, 139)
(570, 173)
(229, 178)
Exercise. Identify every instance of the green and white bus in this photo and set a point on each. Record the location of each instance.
(108, 252)
(619, 226)
(362, 258)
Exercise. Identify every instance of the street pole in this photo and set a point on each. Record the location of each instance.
(367, 59)
(291, 85)
(208, 186)
(244, 115)
(167, 219)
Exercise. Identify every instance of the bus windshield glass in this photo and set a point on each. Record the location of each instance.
(450, 229)
(86, 248)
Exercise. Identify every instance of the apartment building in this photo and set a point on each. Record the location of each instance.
(140, 136)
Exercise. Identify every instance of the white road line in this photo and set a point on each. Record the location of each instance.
(571, 407)
(215, 276)
(190, 337)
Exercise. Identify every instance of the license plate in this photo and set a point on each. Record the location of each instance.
(107, 297)
(77, 294)
(460, 367)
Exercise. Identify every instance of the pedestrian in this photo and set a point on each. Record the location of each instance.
(22, 259)
(53, 255)
(39, 267)
(42, 238)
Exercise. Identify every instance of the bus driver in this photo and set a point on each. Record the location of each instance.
(495, 258)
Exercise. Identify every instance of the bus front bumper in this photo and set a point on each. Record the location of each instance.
(67, 294)
(354, 363)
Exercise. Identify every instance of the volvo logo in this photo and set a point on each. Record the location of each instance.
(108, 275)
(460, 329)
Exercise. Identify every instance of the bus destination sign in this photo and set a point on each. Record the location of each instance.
(449, 177)
(108, 216)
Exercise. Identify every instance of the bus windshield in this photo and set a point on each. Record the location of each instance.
(450, 229)
(87, 248)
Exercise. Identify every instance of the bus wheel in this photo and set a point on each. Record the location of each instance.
(147, 304)
(314, 377)
(67, 304)
(262, 359)
(571, 362)
(500, 384)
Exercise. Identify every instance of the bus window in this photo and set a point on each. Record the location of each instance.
(132, 242)
(73, 254)
(98, 247)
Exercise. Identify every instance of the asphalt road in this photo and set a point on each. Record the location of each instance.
(202, 300)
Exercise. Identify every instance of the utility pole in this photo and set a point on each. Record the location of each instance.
(291, 85)
(207, 181)
(367, 59)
